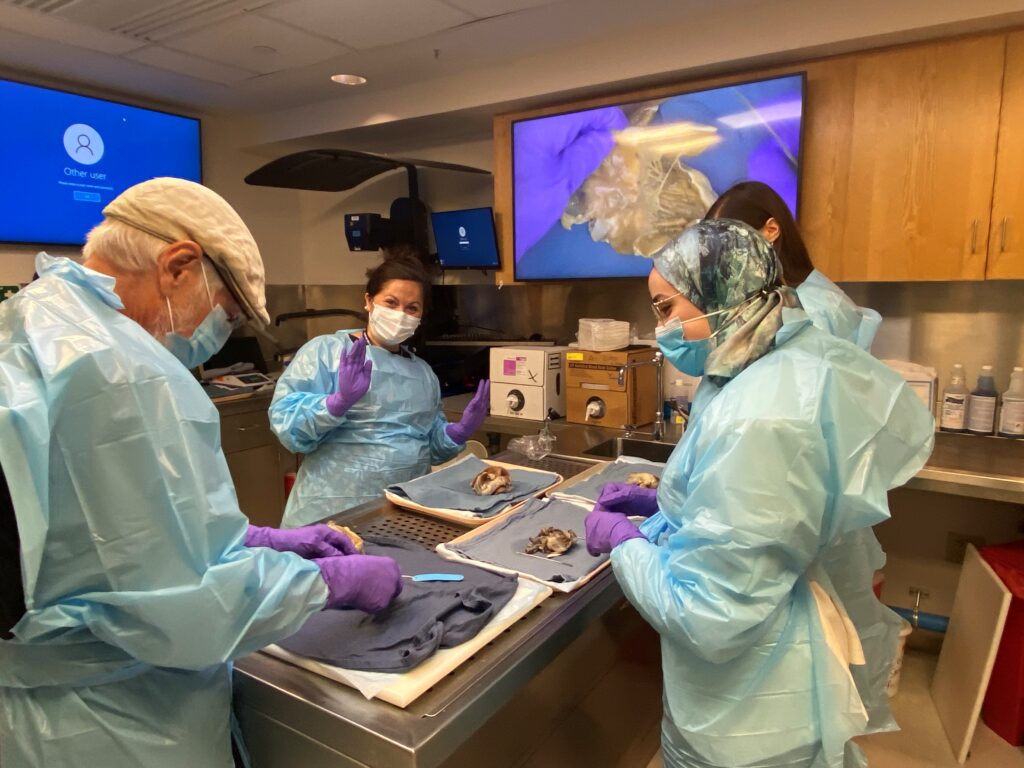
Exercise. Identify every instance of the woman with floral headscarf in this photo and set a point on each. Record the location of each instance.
(795, 438)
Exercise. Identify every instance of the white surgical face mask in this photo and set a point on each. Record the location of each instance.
(391, 326)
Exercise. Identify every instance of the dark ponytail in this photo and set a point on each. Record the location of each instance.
(753, 203)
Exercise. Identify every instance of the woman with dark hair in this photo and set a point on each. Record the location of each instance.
(759, 206)
(364, 409)
(794, 440)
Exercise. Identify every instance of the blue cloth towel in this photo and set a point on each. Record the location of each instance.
(616, 472)
(505, 544)
(451, 488)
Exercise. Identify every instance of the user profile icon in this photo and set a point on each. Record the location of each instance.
(462, 231)
(83, 144)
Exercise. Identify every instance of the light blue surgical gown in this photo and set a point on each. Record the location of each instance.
(851, 561)
(831, 310)
(393, 434)
(138, 587)
(793, 453)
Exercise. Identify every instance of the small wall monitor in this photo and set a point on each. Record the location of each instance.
(465, 239)
(71, 155)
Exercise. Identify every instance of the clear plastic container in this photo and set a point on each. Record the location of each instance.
(602, 334)
(981, 411)
(1011, 418)
(954, 402)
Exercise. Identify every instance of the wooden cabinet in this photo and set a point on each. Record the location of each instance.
(1006, 239)
(912, 160)
(258, 484)
(899, 170)
(254, 459)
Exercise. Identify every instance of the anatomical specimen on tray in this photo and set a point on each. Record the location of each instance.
(354, 537)
(643, 479)
(491, 481)
(551, 542)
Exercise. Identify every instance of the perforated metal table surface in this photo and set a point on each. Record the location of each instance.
(290, 716)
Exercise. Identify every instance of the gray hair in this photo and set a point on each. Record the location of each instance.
(123, 246)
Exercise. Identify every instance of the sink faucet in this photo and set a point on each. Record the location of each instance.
(658, 429)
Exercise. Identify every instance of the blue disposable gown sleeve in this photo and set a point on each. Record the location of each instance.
(753, 512)
(151, 488)
(250, 598)
(442, 447)
(298, 412)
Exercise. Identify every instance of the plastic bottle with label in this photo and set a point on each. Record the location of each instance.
(981, 411)
(1011, 418)
(954, 402)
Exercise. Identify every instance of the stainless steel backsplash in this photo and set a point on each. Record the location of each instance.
(936, 324)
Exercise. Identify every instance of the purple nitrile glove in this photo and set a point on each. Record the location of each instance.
(628, 499)
(474, 415)
(310, 541)
(353, 378)
(606, 530)
(553, 157)
(365, 582)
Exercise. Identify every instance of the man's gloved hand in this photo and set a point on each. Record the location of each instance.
(365, 582)
(553, 157)
(310, 541)
(353, 378)
(628, 499)
(606, 530)
(474, 415)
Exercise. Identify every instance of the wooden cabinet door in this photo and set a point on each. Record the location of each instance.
(1006, 242)
(258, 484)
(915, 164)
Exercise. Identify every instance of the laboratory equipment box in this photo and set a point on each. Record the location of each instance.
(528, 382)
(612, 389)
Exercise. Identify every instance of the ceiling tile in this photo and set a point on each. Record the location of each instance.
(365, 24)
(255, 43)
(483, 9)
(189, 64)
(155, 19)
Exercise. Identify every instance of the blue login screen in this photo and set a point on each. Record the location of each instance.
(465, 239)
(66, 156)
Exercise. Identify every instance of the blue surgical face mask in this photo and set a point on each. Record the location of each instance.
(208, 338)
(687, 355)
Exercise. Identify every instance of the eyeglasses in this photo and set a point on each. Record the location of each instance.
(662, 308)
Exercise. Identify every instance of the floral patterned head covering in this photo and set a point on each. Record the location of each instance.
(725, 264)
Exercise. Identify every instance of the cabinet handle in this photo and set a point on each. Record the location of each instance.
(974, 236)
(1002, 235)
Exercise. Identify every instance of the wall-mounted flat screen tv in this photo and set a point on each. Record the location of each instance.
(597, 192)
(465, 239)
(69, 155)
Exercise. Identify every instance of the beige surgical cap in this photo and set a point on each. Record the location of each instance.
(175, 209)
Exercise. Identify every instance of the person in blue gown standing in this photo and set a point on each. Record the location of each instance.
(794, 440)
(364, 409)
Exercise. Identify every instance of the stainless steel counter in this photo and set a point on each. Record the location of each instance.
(293, 717)
(962, 465)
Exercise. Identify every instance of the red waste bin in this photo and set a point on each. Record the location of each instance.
(1003, 710)
(289, 481)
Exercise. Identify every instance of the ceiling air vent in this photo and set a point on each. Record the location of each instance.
(175, 14)
(42, 6)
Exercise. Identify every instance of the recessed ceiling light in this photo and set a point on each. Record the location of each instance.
(349, 79)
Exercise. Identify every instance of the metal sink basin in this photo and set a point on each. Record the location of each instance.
(628, 446)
